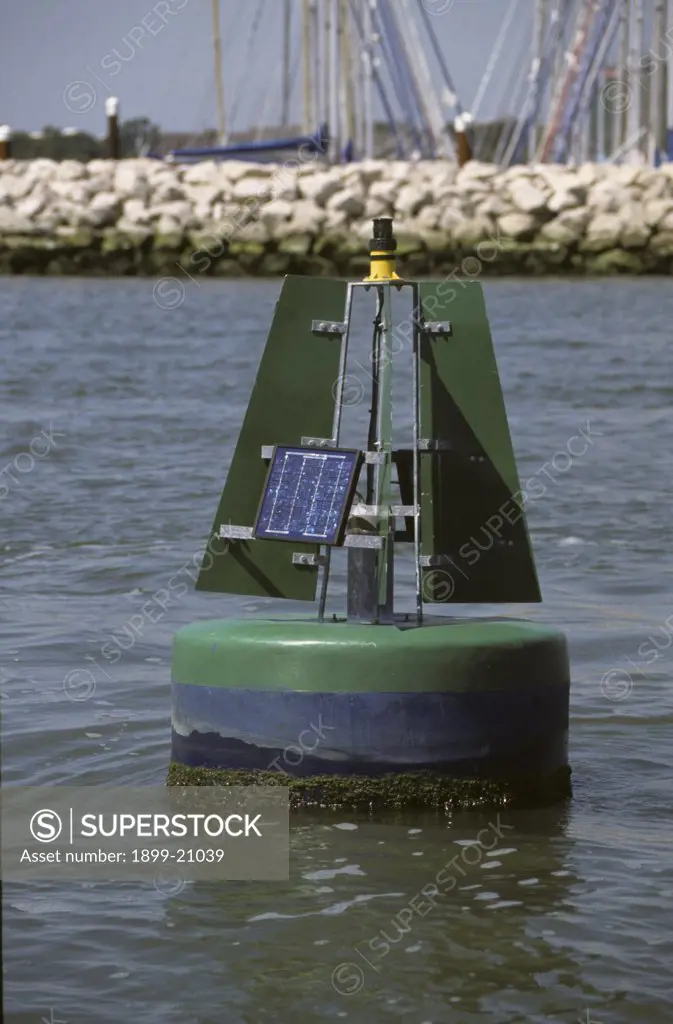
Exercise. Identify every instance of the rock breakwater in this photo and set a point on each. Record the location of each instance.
(231, 219)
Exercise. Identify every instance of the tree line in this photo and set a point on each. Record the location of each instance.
(140, 136)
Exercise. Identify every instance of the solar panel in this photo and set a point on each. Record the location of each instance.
(307, 495)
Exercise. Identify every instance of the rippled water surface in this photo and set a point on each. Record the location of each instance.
(568, 917)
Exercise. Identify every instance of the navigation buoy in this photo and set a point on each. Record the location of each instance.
(371, 707)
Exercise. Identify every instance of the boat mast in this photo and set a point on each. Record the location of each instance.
(421, 76)
(217, 48)
(347, 119)
(316, 82)
(632, 79)
(539, 27)
(360, 80)
(622, 115)
(327, 71)
(335, 119)
(661, 123)
(642, 94)
(368, 55)
(306, 52)
(287, 22)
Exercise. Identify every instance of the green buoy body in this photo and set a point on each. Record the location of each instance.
(474, 701)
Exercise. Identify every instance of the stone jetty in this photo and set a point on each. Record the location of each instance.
(146, 217)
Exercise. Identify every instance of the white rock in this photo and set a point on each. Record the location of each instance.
(473, 169)
(352, 179)
(608, 196)
(628, 174)
(308, 217)
(375, 207)
(321, 186)
(168, 226)
(205, 173)
(252, 188)
(528, 198)
(411, 199)
(451, 220)
(103, 167)
(443, 178)
(14, 187)
(235, 170)
(349, 202)
(473, 229)
(517, 225)
(135, 212)
(566, 199)
(72, 214)
(32, 205)
(105, 208)
(275, 213)
(660, 187)
(255, 232)
(635, 234)
(13, 223)
(198, 195)
(568, 227)
(576, 219)
(604, 231)
(133, 229)
(429, 217)
(170, 190)
(336, 220)
(384, 191)
(100, 183)
(656, 211)
(40, 170)
(284, 186)
(71, 170)
(369, 171)
(71, 190)
(555, 231)
(130, 181)
(180, 211)
(588, 174)
(494, 205)
(666, 223)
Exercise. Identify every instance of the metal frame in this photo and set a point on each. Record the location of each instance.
(377, 548)
(381, 461)
(336, 430)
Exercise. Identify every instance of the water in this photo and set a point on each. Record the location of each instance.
(568, 917)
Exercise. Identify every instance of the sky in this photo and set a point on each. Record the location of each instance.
(60, 59)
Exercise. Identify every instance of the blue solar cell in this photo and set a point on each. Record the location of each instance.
(307, 495)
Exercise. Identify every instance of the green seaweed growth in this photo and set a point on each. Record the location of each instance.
(399, 791)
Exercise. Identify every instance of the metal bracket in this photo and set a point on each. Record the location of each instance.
(237, 532)
(426, 444)
(363, 540)
(430, 561)
(330, 327)
(300, 559)
(379, 512)
(441, 327)
(319, 442)
(309, 442)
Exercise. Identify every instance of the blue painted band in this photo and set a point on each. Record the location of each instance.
(496, 734)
